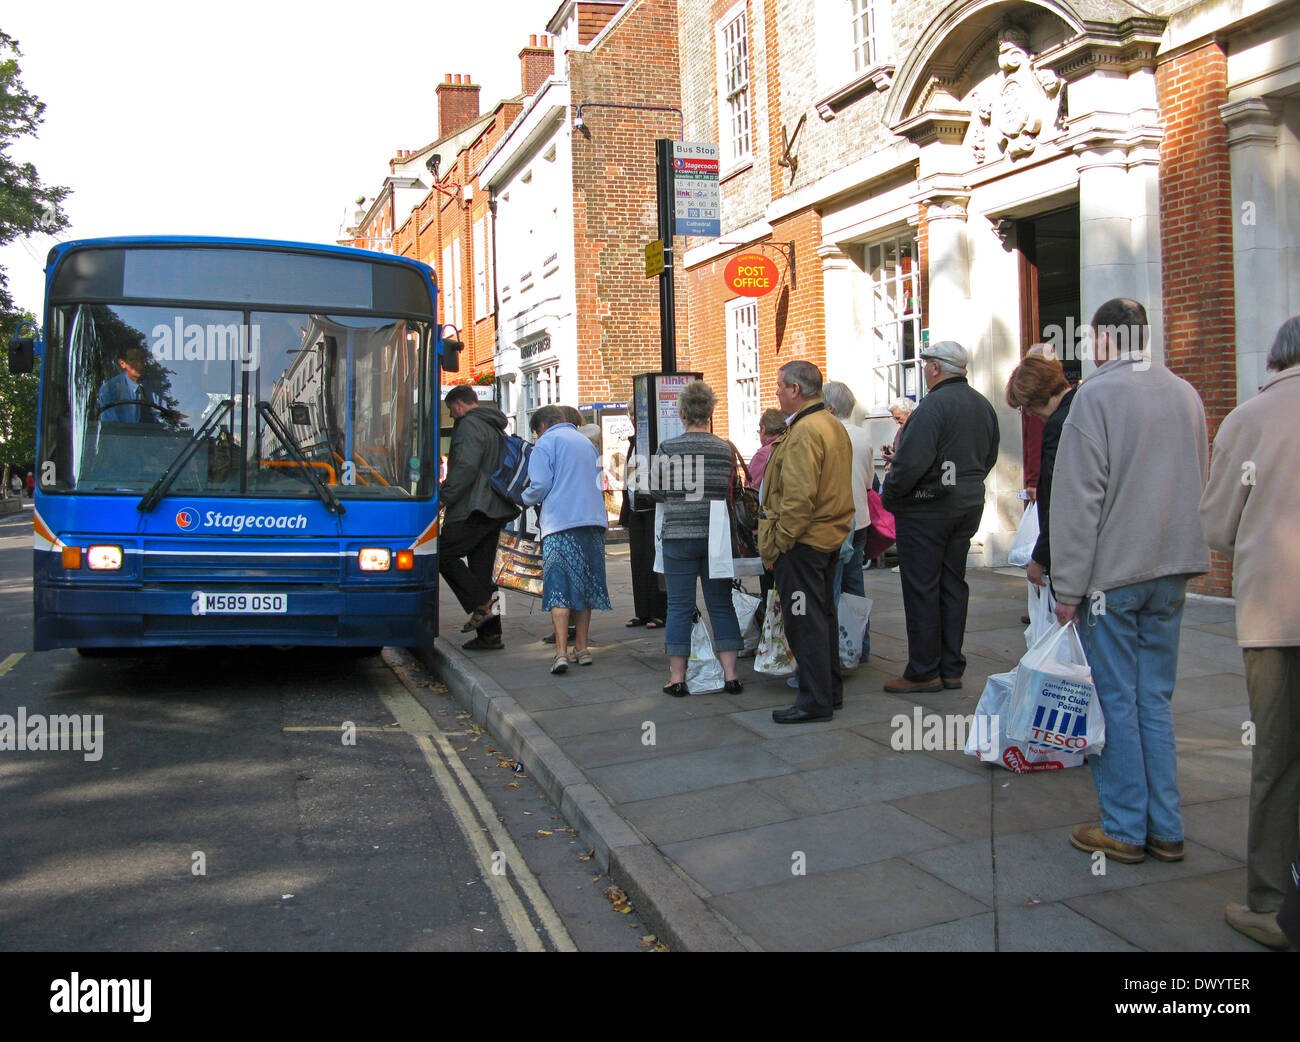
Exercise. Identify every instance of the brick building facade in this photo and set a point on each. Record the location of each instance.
(575, 209)
(991, 173)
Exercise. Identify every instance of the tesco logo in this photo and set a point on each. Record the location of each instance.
(186, 519)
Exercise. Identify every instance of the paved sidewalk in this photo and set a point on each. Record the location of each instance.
(730, 831)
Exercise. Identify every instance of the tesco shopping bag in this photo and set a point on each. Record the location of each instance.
(703, 670)
(1054, 702)
(987, 741)
(774, 658)
(1022, 547)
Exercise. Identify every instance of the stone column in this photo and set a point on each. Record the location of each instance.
(1259, 229)
(847, 358)
(948, 317)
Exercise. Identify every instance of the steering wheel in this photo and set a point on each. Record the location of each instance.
(170, 414)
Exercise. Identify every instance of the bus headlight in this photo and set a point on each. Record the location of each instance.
(104, 558)
(373, 559)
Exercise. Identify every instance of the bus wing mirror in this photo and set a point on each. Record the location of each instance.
(22, 354)
(451, 350)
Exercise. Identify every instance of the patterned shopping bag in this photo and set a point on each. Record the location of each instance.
(774, 657)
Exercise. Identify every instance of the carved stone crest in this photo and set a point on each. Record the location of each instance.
(1011, 108)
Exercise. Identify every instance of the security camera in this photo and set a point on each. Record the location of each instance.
(577, 123)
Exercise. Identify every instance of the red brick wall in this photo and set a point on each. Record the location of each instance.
(1196, 241)
(592, 18)
(439, 218)
(614, 198)
(791, 323)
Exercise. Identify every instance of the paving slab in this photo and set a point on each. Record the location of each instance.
(1043, 866)
(705, 812)
(833, 910)
(667, 774)
(1185, 915)
(1033, 928)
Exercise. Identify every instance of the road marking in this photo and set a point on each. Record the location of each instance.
(339, 727)
(415, 720)
(10, 662)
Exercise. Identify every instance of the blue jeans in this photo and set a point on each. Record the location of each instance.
(685, 560)
(1132, 648)
(848, 579)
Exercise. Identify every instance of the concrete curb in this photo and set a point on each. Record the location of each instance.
(662, 897)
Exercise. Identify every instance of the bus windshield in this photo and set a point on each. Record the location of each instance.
(129, 386)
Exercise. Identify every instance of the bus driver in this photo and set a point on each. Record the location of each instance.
(124, 399)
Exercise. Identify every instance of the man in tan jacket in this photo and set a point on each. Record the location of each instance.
(1249, 512)
(807, 515)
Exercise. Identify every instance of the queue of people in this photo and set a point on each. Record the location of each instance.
(1129, 506)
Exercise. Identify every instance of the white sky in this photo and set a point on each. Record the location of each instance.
(245, 118)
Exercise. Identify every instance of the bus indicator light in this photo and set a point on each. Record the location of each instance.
(72, 557)
(405, 560)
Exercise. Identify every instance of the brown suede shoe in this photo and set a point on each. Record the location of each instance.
(1258, 926)
(903, 686)
(1090, 838)
(1162, 851)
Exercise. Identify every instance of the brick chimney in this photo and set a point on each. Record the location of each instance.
(457, 103)
(536, 63)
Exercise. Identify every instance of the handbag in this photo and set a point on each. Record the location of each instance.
(743, 507)
(518, 565)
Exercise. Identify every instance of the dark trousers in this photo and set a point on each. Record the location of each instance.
(805, 580)
(932, 564)
(648, 600)
(466, 551)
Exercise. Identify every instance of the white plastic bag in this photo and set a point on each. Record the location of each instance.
(1054, 702)
(1022, 547)
(746, 606)
(1041, 611)
(721, 564)
(703, 670)
(774, 658)
(854, 613)
(987, 740)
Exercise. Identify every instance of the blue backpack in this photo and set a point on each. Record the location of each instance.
(510, 477)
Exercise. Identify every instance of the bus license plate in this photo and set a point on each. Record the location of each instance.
(241, 603)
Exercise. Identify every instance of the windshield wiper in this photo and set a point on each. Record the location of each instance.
(159, 488)
(327, 494)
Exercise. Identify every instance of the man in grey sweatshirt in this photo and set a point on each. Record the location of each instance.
(1129, 472)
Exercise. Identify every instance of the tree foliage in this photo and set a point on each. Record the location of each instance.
(17, 401)
(26, 204)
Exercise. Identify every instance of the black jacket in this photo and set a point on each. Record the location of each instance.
(1051, 439)
(947, 449)
(475, 451)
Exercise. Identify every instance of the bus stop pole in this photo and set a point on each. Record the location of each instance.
(667, 302)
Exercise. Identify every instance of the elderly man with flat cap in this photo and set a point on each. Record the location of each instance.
(935, 489)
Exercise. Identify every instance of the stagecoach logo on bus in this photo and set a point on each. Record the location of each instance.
(189, 520)
(209, 342)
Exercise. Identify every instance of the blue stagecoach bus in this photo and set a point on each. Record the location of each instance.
(237, 444)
